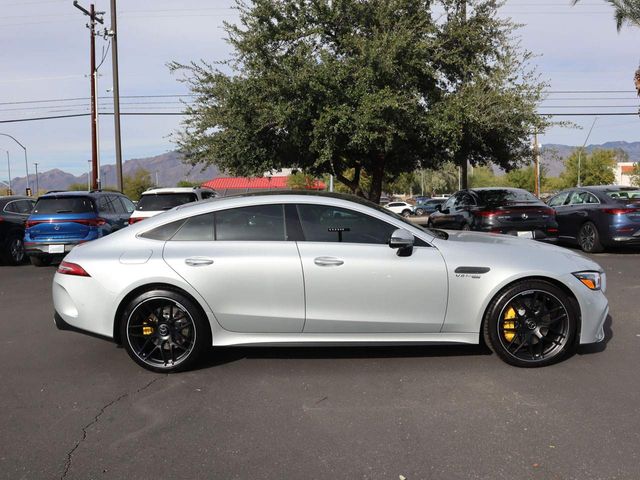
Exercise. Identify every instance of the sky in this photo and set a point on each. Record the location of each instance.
(45, 56)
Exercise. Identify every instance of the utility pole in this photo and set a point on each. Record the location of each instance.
(113, 33)
(536, 159)
(26, 163)
(9, 168)
(462, 157)
(580, 151)
(37, 181)
(89, 176)
(93, 18)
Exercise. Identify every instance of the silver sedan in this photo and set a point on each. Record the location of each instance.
(310, 269)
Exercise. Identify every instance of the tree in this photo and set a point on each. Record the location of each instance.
(373, 88)
(635, 175)
(442, 180)
(187, 183)
(595, 169)
(136, 184)
(300, 181)
(77, 187)
(525, 177)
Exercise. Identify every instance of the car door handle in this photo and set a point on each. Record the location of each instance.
(328, 261)
(198, 261)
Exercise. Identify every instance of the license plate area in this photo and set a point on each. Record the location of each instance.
(525, 234)
(56, 248)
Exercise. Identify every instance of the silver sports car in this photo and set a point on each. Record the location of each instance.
(309, 269)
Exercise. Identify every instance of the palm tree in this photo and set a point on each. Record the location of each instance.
(626, 11)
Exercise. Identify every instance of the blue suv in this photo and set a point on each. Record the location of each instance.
(62, 220)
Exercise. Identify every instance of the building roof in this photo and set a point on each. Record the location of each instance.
(258, 183)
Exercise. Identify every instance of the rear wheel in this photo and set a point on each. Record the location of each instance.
(40, 261)
(531, 324)
(465, 226)
(406, 213)
(419, 212)
(164, 331)
(589, 238)
(14, 250)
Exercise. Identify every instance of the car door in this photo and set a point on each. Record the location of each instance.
(445, 217)
(355, 283)
(121, 217)
(246, 266)
(576, 212)
(560, 204)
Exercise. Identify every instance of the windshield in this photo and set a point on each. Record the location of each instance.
(64, 205)
(164, 201)
(505, 196)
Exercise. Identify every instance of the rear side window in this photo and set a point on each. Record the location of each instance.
(558, 199)
(164, 201)
(50, 205)
(256, 223)
(198, 228)
(127, 204)
(163, 232)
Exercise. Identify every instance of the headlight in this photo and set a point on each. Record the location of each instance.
(592, 280)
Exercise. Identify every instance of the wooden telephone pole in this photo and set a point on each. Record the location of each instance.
(94, 17)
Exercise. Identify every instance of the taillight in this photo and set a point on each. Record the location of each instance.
(619, 211)
(31, 223)
(548, 211)
(133, 220)
(91, 222)
(68, 268)
(487, 213)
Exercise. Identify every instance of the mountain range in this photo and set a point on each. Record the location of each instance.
(168, 168)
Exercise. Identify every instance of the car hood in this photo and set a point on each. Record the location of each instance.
(493, 247)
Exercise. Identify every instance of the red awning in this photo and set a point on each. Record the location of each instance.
(258, 183)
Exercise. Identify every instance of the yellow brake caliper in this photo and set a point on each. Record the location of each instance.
(509, 324)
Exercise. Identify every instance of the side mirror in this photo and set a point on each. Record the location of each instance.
(402, 240)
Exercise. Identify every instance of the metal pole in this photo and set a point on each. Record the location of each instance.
(116, 94)
(97, 134)
(89, 176)
(580, 151)
(9, 168)
(37, 181)
(536, 154)
(94, 109)
(26, 164)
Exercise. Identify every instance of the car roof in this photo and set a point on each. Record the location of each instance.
(607, 188)
(77, 193)
(153, 191)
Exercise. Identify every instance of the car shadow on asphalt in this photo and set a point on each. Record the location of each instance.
(223, 355)
(600, 346)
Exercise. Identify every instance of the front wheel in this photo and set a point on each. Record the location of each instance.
(589, 238)
(420, 212)
(164, 331)
(406, 213)
(531, 324)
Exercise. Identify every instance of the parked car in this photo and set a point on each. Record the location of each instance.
(320, 269)
(157, 200)
(14, 211)
(401, 208)
(427, 207)
(62, 220)
(598, 217)
(512, 211)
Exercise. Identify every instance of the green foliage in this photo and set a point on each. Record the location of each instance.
(635, 175)
(406, 182)
(625, 11)
(595, 169)
(364, 90)
(136, 184)
(300, 181)
(484, 177)
(187, 183)
(77, 187)
(526, 177)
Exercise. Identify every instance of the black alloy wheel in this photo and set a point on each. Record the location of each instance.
(531, 324)
(163, 331)
(589, 238)
(14, 254)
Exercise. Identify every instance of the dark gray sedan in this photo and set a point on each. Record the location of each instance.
(598, 217)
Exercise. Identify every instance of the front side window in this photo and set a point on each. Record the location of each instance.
(128, 204)
(324, 223)
(558, 200)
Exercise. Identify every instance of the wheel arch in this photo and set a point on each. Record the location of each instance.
(553, 281)
(147, 288)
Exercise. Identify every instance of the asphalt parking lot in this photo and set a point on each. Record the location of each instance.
(78, 407)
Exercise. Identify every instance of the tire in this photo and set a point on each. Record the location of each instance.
(419, 212)
(164, 331)
(406, 213)
(589, 238)
(531, 323)
(41, 261)
(14, 250)
(430, 224)
(466, 227)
